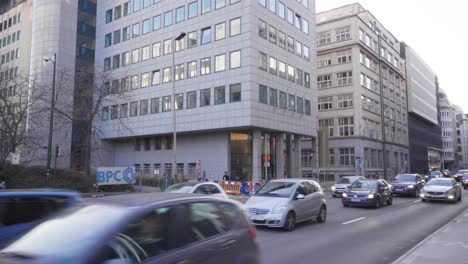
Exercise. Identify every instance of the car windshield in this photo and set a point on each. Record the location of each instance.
(408, 178)
(437, 182)
(435, 173)
(185, 187)
(277, 189)
(75, 229)
(343, 181)
(462, 171)
(366, 185)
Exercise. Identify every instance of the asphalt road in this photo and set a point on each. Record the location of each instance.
(358, 235)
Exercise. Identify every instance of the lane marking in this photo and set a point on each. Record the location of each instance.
(417, 201)
(353, 221)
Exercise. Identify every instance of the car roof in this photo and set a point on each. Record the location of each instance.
(412, 174)
(144, 200)
(443, 179)
(295, 180)
(352, 176)
(38, 192)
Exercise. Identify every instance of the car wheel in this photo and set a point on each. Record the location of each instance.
(290, 223)
(390, 201)
(377, 202)
(345, 205)
(334, 195)
(322, 215)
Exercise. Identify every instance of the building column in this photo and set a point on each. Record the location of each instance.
(280, 148)
(257, 155)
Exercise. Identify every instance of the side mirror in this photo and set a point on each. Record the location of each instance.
(300, 197)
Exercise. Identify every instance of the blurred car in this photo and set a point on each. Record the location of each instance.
(441, 189)
(446, 173)
(368, 193)
(134, 228)
(283, 203)
(432, 175)
(464, 181)
(343, 183)
(21, 210)
(409, 184)
(209, 188)
(459, 175)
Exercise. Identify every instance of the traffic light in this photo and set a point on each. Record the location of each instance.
(57, 150)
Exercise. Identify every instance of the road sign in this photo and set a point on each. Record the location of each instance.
(266, 157)
(199, 171)
(115, 175)
(15, 158)
(156, 172)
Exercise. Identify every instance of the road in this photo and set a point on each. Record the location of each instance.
(358, 235)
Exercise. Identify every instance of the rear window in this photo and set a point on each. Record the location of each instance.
(19, 210)
(343, 181)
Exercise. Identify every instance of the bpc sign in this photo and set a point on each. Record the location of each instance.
(115, 175)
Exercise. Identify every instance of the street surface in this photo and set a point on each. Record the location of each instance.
(359, 235)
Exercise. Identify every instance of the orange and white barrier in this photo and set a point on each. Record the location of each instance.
(233, 188)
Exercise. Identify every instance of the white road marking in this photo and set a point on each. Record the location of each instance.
(353, 221)
(417, 201)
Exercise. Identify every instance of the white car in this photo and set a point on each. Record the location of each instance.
(209, 188)
(343, 183)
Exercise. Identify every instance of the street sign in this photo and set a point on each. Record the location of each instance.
(156, 172)
(199, 169)
(115, 175)
(266, 157)
(15, 158)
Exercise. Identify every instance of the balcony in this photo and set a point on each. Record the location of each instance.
(87, 30)
(87, 6)
(85, 53)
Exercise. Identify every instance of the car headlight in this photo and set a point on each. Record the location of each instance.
(422, 195)
(345, 195)
(370, 196)
(279, 210)
(451, 196)
(333, 188)
(410, 186)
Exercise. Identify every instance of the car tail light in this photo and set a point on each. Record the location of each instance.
(253, 232)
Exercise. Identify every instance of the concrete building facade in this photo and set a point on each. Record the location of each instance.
(244, 97)
(448, 119)
(360, 76)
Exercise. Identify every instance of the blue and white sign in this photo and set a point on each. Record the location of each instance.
(115, 175)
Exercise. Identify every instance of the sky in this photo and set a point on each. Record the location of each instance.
(436, 30)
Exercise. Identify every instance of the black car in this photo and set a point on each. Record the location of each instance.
(368, 193)
(464, 181)
(135, 228)
(408, 184)
(459, 175)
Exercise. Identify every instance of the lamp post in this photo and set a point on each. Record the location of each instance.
(51, 120)
(174, 126)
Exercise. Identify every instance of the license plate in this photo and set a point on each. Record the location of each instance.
(355, 200)
(257, 217)
(399, 190)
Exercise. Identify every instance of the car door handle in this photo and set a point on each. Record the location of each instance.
(227, 244)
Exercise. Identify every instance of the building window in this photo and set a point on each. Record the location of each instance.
(156, 22)
(323, 38)
(167, 46)
(146, 26)
(156, 78)
(290, 44)
(344, 78)
(291, 102)
(262, 29)
(180, 14)
(235, 93)
(116, 37)
(206, 35)
(307, 158)
(167, 75)
(327, 124)
(156, 50)
(179, 72)
(220, 31)
(135, 81)
(136, 5)
(123, 110)
(135, 55)
(146, 3)
(143, 107)
(220, 63)
(345, 101)
(144, 80)
(116, 61)
(192, 69)
(291, 73)
(272, 5)
(283, 100)
(282, 39)
(205, 66)
(145, 53)
(290, 16)
(205, 6)
(331, 160)
(262, 61)
(235, 27)
(193, 9)
(263, 94)
(114, 112)
(282, 69)
(343, 33)
(324, 81)
(205, 97)
(108, 16)
(347, 157)
(133, 108)
(281, 10)
(107, 63)
(273, 97)
(346, 126)
(344, 56)
(155, 105)
(305, 26)
(136, 30)
(273, 67)
(127, 9)
(191, 100)
(168, 18)
(306, 52)
(192, 39)
(325, 103)
(272, 34)
(219, 95)
(166, 103)
(108, 40)
(179, 101)
(105, 113)
(235, 59)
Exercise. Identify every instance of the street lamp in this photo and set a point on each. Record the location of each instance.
(174, 127)
(51, 120)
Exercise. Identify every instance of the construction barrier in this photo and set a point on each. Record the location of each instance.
(230, 187)
(252, 188)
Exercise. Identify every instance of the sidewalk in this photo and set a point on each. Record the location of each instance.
(447, 245)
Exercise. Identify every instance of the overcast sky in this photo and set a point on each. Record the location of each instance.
(436, 30)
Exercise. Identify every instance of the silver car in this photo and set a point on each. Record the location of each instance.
(283, 203)
(343, 183)
(441, 189)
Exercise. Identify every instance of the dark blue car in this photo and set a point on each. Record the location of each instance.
(21, 210)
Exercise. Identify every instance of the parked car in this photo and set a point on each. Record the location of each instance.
(21, 210)
(144, 227)
(442, 189)
(432, 175)
(343, 183)
(459, 175)
(464, 181)
(209, 188)
(368, 193)
(409, 184)
(283, 203)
